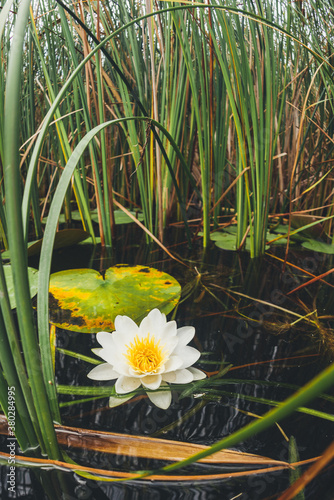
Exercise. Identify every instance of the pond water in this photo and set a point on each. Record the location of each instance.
(243, 317)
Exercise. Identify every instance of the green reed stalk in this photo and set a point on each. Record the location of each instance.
(29, 120)
(199, 88)
(16, 240)
(13, 367)
(106, 204)
(3, 20)
(83, 203)
(224, 34)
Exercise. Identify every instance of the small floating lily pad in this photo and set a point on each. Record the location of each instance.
(227, 240)
(224, 240)
(89, 241)
(281, 241)
(33, 283)
(231, 230)
(314, 229)
(82, 300)
(283, 230)
(63, 238)
(318, 246)
(120, 216)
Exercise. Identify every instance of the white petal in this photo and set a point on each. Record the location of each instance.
(154, 322)
(97, 350)
(151, 381)
(169, 329)
(105, 339)
(197, 374)
(173, 363)
(109, 355)
(122, 367)
(168, 344)
(178, 377)
(116, 401)
(126, 325)
(189, 355)
(185, 335)
(122, 340)
(126, 384)
(162, 399)
(134, 373)
(126, 330)
(103, 372)
(157, 316)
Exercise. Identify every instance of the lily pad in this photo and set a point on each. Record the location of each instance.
(120, 216)
(231, 229)
(64, 238)
(318, 246)
(297, 237)
(301, 220)
(61, 219)
(82, 300)
(89, 241)
(281, 241)
(227, 241)
(224, 240)
(269, 236)
(33, 283)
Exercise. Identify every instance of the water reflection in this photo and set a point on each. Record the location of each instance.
(245, 316)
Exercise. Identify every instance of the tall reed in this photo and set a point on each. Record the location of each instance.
(29, 385)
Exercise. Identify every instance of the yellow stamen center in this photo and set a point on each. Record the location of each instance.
(145, 355)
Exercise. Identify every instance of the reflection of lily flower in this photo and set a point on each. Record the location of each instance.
(151, 354)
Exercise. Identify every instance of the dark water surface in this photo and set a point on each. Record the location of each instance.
(274, 357)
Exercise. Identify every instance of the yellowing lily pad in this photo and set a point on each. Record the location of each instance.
(82, 300)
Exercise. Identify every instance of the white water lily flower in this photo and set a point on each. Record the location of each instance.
(153, 354)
